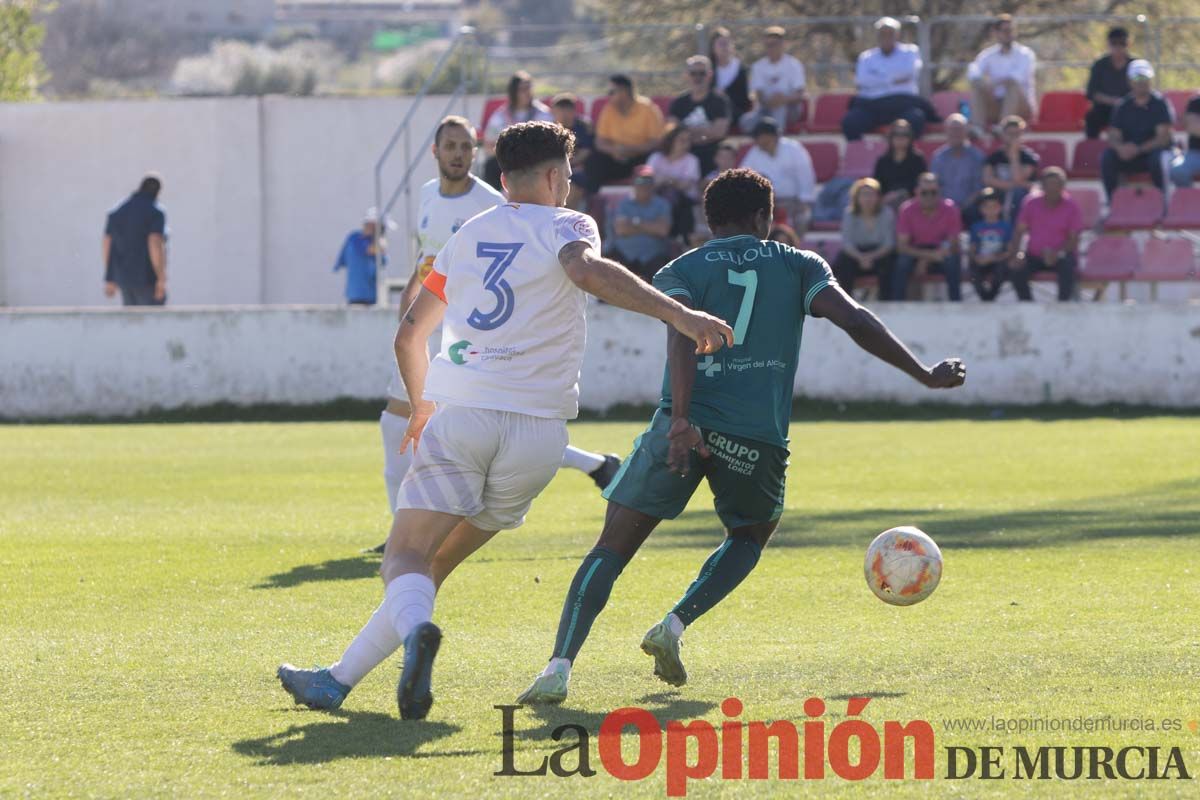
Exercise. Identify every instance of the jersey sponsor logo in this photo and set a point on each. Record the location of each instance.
(460, 353)
(502, 255)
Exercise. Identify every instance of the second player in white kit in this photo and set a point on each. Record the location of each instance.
(489, 414)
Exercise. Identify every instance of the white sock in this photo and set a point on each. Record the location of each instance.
(374, 643)
(674, 625)
(408, 601)
(558, 665)
(582, 460)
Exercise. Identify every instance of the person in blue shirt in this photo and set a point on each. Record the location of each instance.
(991, 245)
(357, 257)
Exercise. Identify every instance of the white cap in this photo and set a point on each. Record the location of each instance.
(372, 215)
(887, 22)
(1139, 68)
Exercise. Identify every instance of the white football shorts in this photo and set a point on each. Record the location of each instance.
(483, 464)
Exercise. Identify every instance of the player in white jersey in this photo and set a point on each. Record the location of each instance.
(510, 288)
(446, 202)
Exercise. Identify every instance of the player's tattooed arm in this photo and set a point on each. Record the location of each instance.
(615, 285)
(869, 333)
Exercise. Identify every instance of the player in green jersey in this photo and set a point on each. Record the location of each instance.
(723, 418)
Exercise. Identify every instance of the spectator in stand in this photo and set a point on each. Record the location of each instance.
(927, 230)
(1002, 78)
(897, 170)
(1186, 166)
(991, 240)
(357, 257)
(521, 107)
(886, 79)
(868, 239)
(627, 132)
(134, 248)
(777, 83)
(703, 110)
(1012, 169)
(730, 76)
(642, 227)
(1052, 220)
(1139, 131)
(958, 165)
(677, 178)
(565, 109)
(1108, 82)
(726, 158)
(788, 166)
(784, 235)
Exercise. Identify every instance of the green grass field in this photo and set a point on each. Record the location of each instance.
(153, 576)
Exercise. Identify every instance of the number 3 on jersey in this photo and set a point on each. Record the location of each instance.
(502, 255)
(749, 281)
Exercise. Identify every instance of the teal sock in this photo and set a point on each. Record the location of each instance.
(728, 566)
(586, 599)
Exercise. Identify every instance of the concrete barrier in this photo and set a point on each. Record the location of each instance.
(118, 363)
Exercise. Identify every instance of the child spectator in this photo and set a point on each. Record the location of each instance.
(991, 238)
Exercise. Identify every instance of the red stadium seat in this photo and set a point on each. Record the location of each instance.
(1134, 208)
(928, 147)
(1110, 258)
(1051, 152)
(859, 159)
(663, 103)
(1061, 111)
(797, 124)
(825, 159)
(1178, 98)
(1167, 260)
(825, 225)
(949, 102)
(597, 106)
(1085, 163)
(1183, 210)
(491, 106)
(828, 112)
(1089, 205)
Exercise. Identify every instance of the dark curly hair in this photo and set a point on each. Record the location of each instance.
(527, 144)
(735, 196)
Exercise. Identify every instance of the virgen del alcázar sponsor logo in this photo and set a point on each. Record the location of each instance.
(812, 749)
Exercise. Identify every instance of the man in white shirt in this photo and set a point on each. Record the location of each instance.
(509, 290)
(446, 202)
(788, 166)
(1002, 78)
(886, 77)
(777, 82)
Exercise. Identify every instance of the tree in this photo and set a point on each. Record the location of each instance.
(21, 69)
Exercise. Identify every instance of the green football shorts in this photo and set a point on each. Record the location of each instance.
(746, 477)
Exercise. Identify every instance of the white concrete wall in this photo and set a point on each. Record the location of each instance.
(259, 194)
(114, 363)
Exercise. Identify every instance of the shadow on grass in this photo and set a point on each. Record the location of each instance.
(1168, 511)
(663, 705)
(349, 735)
(337, 569)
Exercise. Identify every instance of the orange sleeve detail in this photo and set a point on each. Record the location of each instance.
(436, 283)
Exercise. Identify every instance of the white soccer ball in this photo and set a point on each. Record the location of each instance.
(903, 566)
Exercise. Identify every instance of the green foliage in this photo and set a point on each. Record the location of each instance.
(153, 576)
(21, 69)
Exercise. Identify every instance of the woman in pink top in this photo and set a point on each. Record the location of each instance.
(677, 178)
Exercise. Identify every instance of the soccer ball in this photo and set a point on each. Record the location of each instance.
(903, 566)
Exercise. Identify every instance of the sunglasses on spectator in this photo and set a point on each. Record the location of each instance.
(927, 192)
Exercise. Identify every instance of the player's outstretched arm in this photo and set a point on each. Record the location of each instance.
(873, 336)
(682, 437)
(412, 356)
(616, 285)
